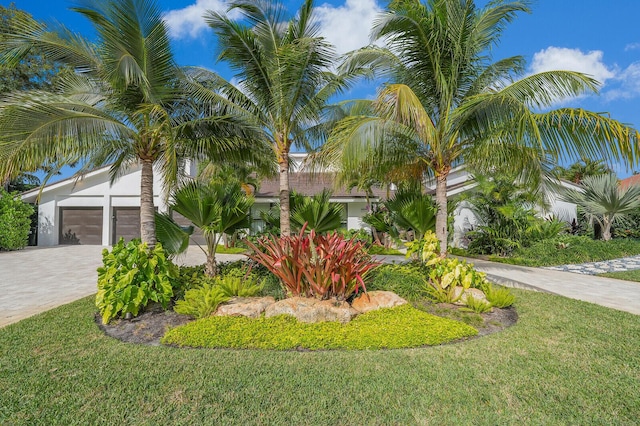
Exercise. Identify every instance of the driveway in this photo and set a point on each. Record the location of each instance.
(37, 279)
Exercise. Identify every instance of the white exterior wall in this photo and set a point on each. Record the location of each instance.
(355, 211)
(93, 190)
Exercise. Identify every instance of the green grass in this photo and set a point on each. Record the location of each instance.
(230, 250)
(566, 362)
(380, 250)
(623, 275)
(400, 327)
(571, 250)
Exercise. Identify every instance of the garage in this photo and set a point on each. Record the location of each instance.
(197, 237)
(80, 225)
(126, 223)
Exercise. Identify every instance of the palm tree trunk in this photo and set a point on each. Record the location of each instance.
(606, 229)
(441, 214)
(147, 209)
(285, 224)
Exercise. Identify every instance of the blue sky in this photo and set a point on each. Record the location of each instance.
(595, 37)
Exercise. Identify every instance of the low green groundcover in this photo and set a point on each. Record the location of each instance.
(399, 327)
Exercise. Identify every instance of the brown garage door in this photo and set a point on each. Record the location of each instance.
(126, 223)
(80, 225)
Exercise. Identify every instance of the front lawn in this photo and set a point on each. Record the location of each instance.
(564, 362)
(567, 249)
(633, 275)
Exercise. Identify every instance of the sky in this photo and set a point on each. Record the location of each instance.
(591, 36)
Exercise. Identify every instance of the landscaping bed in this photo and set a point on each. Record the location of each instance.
(149, 327)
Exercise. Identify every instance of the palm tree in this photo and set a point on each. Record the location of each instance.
(282, 75)
(217, 208)
(604, 201)
(582, 169)
(127, 102)
(448, 103)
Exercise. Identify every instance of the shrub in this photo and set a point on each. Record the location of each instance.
(500, 297)
(188, 277)
(478, 306)
(322, 266)
(15, 221)
(238, 284)
(202, 301)
(399, 327)
(406, 280)
(131, 276)
(446, 274)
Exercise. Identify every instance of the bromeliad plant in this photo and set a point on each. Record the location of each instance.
(312, 265)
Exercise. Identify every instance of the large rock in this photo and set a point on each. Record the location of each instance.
(312, 310)
(251, 307)
(476, 293)
(374, 300)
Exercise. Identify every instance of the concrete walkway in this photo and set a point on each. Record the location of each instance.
(37, 279)
(616, 294)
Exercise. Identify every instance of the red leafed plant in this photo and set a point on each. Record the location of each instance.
(311, 265)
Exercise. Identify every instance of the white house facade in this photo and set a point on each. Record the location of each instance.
(91, 210)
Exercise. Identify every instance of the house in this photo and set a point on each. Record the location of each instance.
(460, 180)
(90, 210)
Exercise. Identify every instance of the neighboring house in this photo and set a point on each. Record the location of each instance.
(630, 181)
(90, 210)
(461, 180)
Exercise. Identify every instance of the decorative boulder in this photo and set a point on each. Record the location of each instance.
(476, 293)
(374, 300)
(251, 307)
(312, 310)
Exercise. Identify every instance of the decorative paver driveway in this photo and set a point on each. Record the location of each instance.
(37, 279)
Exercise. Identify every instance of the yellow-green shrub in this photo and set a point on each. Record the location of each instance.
(399, 327)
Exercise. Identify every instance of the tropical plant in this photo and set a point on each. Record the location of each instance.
(500, 297)
(283, 77)
(579, 170)
(448, 103)
(410, 209)
(316, 212)
(478, 306)
(127, 102)
(604, 201)
(201, 302)
(507, 219)
(15, 221)
(215, 208)
(314, 265)
(131, 276)
(239, 283)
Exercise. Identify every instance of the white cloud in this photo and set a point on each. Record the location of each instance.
(632, 46)
(629, 84)
(561, 58)
(347, 27)
(189, 21)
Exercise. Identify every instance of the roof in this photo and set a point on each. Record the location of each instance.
(630, 181)
(310, 184)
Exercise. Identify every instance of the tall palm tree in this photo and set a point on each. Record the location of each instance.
(282, 78)
(127, 102)
(448, 103)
